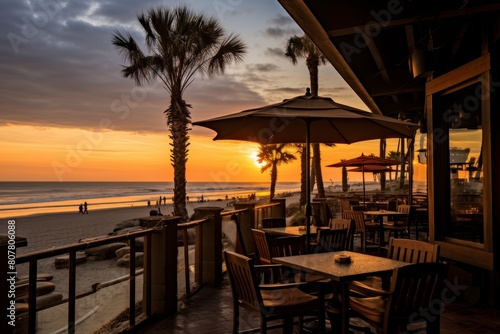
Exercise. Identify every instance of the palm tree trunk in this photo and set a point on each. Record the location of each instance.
(383, 146)
(402, 179)
(302, 200)
(317, 168)
(274, 178)
(312, 177)
(178, 120)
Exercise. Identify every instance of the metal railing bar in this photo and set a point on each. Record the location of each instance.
(147, 274)
(32, 297)
(186, 261)
(72, 292)
(132, 282)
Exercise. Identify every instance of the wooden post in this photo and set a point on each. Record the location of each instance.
(211, 244)
(279, 211)
(163, 264)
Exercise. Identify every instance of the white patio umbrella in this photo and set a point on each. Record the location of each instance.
(307, 119)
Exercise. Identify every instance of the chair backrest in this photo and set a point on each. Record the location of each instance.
(412, 251)
(358, 218)
(244, 286)
(392, 205)
(288, 246)
(413, 288)
(331, 240)
(342, 223)
(272, 222)
(261, 240)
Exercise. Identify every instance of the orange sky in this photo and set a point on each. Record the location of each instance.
(35, 153)
(67, 114)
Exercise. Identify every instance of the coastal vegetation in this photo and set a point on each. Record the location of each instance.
(180, 44)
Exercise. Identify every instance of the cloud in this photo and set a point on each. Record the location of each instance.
(262, 67)
(60, 69)
(275, 52)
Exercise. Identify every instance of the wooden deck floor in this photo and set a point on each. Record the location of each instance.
(210, 311)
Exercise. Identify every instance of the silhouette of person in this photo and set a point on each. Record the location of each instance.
(85, 208)
(149, 204)
(80, 208)
(165, 200)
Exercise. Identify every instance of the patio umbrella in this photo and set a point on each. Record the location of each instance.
(307, 119)
(366, 163)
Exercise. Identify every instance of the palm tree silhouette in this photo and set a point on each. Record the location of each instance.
(272, 156)
(180, 43)
(303, 47)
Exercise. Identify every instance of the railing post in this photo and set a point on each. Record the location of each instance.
(280, 210)
(163, 264)
(211, 243)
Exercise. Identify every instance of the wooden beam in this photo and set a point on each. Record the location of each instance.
(355, 29)
(310, 25)
(458, 75)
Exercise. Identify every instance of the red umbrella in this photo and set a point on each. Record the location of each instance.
(363, 161)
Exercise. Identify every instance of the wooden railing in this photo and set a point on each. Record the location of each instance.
(33, 258)
(208, 259)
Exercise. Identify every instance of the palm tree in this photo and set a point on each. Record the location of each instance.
(180, 43)
(393, 155)
(303, 47)
(272, 156)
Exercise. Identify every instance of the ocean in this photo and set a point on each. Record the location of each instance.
(27, 198)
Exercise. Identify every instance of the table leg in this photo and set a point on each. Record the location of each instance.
(381, 239)
(344, 307)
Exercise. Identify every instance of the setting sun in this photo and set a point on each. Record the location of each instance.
(255, 159)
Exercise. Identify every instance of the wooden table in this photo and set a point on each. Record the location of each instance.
(379, 216)
(361, 266)
(289, 230)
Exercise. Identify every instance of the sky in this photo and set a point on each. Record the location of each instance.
(67, 114)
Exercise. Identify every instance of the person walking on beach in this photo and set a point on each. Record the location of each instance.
(85, 208)
(80, 208)
(149, 204)
(164, 200)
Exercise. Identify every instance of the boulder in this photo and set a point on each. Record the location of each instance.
(42, 288)
(124, 261)
(62, 261)
(126, 224)
(122, 251)
(48, 300)
(104, 252)
(39, 277)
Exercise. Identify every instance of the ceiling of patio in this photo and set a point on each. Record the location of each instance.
(370, 43)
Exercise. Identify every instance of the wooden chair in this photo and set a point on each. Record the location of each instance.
(261, 239)
(361, 227)
(400, 225)
(405, 250)
(270, 301)
(288, 246)
(341, 223)
(273, 222)
(412, 251)
(413, 288)
(331, 240)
